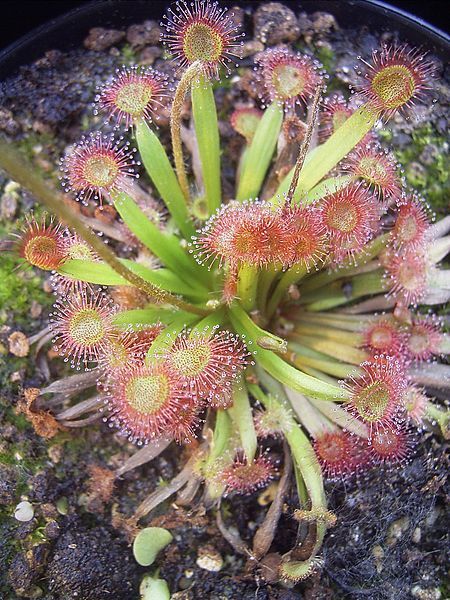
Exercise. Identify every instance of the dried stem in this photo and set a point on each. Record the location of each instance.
(144, 455)
(71, 385)
(266, 532)
(163, 492)
(80, 408)
(312, 122)
(189, 75)
(81, 422)
(232, 537)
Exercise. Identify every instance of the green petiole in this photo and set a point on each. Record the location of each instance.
(159, 169)
(329, 333)
(333, 348)
(277, 367)
(247, 283)
(207, 133)
(242, 417)
(102, 274)
(259, 153)
(343, 292)
(222, 434)
(327, 156)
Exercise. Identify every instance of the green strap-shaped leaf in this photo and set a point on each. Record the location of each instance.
(222, 435)
(334, 294)
(241, 414)
(207, 133)
(149, 316)
(277, 367)
(164, 245)
(260, 153)
(102, 274)
(160, 171)
(327, 156)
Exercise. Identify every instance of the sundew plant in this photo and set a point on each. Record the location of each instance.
(281, 333)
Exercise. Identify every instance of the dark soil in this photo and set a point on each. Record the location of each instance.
(390, 539)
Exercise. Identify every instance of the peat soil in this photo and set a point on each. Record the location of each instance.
(390, 538)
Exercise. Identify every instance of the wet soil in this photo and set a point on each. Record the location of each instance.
(390, 538)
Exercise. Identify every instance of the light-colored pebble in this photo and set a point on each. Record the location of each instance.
(426, 593)
(24, 511)
(417, 535)
(18, 344)
(209, 559)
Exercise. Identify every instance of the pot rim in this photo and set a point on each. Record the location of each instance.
(24, 45)
(410, 18)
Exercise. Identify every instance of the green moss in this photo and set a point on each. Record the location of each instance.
(129, 56)
(327, 57)
(224, 81)
(18, 289)
(7, 459)
(385, 135)
(19, 421)
(430, 178)
(25, 462)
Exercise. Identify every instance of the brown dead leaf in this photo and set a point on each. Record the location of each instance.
(128, 527)
(44, 423)
(100, 484)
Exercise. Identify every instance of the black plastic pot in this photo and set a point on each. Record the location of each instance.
(68, 31)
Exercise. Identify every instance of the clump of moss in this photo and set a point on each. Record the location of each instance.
(17, 290)
(326, 55)
(427, 166)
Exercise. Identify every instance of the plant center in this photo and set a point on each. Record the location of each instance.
(117, 355)
(411, 276)
(201, 42)
(40, 250)
(245, 242)
(249, 474)
(147, 393)
(342, 217)
(100, 171)
(134, 97)
(418, 343)
(79, 251)
(86, 327)
(190, 362)
(372, 170)
(394, 86)
(288, 81)
(332, 448)
(385, 442)
(305, 247)
(372, 401)
(381, 338)
(407, 228)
